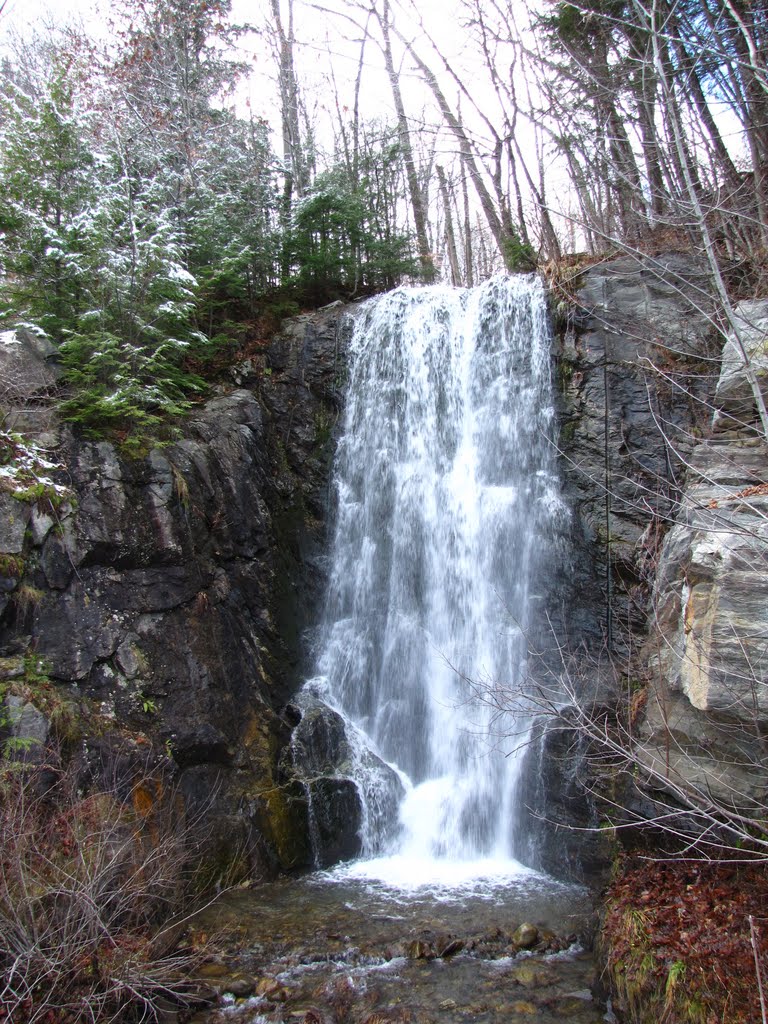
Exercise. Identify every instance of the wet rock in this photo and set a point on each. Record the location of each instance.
(271, 990)
(419, 949)
(241, 985)
(448, 946)
(524, 1007)
(532, 974)
(213, 970)
(569, 1006)
(525, 936)
(327, 763)
(319, 742)
(336, 815)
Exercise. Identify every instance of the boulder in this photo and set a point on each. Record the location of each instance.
(336, 811)
(319, 742)
(708, 708)
(347, 784)
(525, 935)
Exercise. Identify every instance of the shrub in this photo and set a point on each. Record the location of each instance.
(91, 893)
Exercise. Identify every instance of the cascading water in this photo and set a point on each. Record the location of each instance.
(446, 497)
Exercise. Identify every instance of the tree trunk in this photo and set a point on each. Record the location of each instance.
(418, 205)
(450, 237)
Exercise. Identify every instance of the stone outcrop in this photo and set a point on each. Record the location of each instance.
(708, 707)
(634, 369)
(166, 598)
(320, 756)
(325, 756)
(745, 350)
(29, 376)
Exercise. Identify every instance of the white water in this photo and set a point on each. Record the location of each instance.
(446, 494)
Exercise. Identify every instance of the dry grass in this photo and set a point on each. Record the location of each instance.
(92, 894)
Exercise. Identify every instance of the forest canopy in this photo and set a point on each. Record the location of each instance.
(148, 208)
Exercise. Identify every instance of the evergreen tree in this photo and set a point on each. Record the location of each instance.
(49, 177)
(345, 239)
(233, 227)
(93, 257)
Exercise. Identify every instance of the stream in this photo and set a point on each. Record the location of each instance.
(346, 946)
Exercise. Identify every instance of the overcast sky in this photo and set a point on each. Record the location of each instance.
(312, 65)
(24, 13)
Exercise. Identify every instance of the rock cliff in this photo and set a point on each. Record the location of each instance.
(159, 606)
(707, 710)
(666, 473)
(636, 369)
(635, 361)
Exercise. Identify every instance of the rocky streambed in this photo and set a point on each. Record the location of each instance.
(335, 947)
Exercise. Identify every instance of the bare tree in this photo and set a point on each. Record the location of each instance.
(294, 159)
(383, 14)
(450, 237)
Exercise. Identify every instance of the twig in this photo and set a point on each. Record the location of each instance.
(753, 940)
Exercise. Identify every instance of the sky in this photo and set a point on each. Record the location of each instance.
(21, 14)
(258, 95)
(25, 14)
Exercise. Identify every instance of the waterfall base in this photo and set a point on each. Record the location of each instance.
(406, 873)
(329, 947)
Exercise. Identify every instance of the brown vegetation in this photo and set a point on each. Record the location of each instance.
(682, 941)
(92, 889)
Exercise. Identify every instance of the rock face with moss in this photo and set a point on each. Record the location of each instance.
(164, 599)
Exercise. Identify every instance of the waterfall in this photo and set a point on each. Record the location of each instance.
(446, 495)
